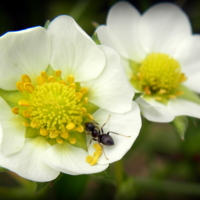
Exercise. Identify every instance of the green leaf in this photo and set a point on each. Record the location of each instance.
(95, 38)
(40, 186)
(106, 175)
(189, 95)
(46, 25)
(137, 95)
(180, 123)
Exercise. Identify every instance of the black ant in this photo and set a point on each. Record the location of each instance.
(98, 134)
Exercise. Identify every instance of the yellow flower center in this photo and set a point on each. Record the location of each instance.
(54, 108)
(158, 76)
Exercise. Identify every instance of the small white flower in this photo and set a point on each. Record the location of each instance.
(52, 82)
(160, 56)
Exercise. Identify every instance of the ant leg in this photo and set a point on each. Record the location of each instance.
(105, 122)
(118, 134)
(103, 152)
(91, 141)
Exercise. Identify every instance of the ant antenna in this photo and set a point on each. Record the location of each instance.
(118, 134)
(106, 121)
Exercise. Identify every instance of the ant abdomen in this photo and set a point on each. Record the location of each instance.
(107, 140)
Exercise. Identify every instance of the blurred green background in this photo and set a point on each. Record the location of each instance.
(159, 166)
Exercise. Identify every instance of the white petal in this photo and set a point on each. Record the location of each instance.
(70, 160)
(1, 133)
(128, 124)
(162, 27)
(193, 82)
(23, 52)
(13, 130)
(122, 31)
(73, 51)
(111, 90)
(28, 164)
(154, 111)
(184, 107)
(187, 54)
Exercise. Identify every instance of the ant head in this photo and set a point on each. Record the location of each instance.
(89, 126)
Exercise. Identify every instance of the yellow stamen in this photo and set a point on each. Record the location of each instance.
(43, 132)
(72, 140)
(83, 90)
(158, 98)
(80, 128)
(59, 140)
(84, 110)
(44, 75)
(20, 86)
(162, 91)
(23, 103)
(72, 85)
(25, 79)
(15, 110)
(70, 79)
(26, 124)
(51, 79)
(79, 95)
(40, 80)
(172, 96)
(64, 134)
(147, 91)
(97, 146)
(29, 87)
(34, 124)
(70, 126)
(90, 116)
(58, 73)
(86, 100)
(97, 153)
(63, 82)
(53, 134)
(26, 114)
(89, 159)
(94, 161)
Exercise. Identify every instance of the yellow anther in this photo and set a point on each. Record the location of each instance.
(26, 114)
(51, 79)
(79, 95)
(183, 77)
(90, 116)
(147, 91)
(97, 146)
(97, 153)
(172, 96)
(86, 100)
(53, 134)
(23, 103)
(89, 159)
(80, 128)
(72, 85)
(178, 93)
(84, 110)
(20, 86)
(15, 110)
(59, 140)
(40, 80)
(44, 74)
(58, 73)
(94, 161)
(70, 79)
(29, 87)
(34, 124)
(25, 79)
(162, 91)
(43, 132)
(70, 126)
(64, 134)
(63, 82)
(26, 124)
(83, 90)
(158, 98)
(139, 75)
(72, 140)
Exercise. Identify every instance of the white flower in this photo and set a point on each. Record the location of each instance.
(160, 56)
(52, 82)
